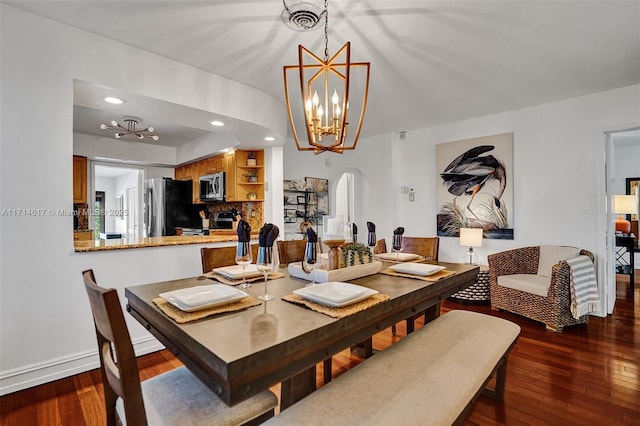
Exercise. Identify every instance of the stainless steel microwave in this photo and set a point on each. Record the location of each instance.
(212, 187)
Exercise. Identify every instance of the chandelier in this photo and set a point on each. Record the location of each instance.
(129, 128)
(325, 86)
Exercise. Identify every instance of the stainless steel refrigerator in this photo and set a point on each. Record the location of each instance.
(167, 206)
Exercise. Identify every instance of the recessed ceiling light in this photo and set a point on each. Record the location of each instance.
(269, 139)
(217, 123)
(112, 100)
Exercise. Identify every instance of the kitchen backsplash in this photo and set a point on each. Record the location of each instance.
(81, 216)
(251, 212)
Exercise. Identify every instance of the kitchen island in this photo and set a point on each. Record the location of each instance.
(215, 236)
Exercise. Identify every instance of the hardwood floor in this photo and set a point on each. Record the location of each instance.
(587, 375)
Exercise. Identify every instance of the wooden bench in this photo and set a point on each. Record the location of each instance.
(431, 377)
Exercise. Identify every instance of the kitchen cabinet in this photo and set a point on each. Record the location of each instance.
(212, 165)
(243, 180)
(190, 172)
(83, 236)
(79, 179)
(230, 175)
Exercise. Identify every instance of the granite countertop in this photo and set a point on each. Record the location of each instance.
(123, 243)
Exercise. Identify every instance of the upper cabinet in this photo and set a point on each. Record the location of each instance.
(244, 174)
(79, 179)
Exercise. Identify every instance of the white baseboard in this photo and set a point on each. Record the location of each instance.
(49, 371)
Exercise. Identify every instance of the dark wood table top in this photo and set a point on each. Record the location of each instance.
(242, 353)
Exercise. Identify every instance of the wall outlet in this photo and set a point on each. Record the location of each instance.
(412, 196)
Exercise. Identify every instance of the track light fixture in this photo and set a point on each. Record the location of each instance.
(129, 128)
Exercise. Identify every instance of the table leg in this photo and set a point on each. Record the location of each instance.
(297, 387)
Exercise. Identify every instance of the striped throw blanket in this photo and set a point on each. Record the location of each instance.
(584, 287)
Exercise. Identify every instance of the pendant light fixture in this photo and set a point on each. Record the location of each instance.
(331, 91)
(129, 128)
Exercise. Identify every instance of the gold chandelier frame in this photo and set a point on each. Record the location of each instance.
(325, 115)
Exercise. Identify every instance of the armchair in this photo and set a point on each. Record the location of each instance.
(533, 268)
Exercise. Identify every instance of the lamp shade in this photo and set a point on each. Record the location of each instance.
(625, 204)
(471, 237)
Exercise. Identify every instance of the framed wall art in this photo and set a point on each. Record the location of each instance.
(475, 186)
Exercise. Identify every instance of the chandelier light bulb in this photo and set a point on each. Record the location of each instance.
(308, 105)
(150, 129)
(320, 112)
(114, 123)
(139, 136)
(316, 99)
(155, 138)
(103, 126)
(117, 135)
(335, 99)
(337, 111)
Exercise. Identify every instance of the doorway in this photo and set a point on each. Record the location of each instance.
(352, 200)
(119, 202)
(622, 158)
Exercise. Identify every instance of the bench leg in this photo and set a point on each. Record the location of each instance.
(501, 378)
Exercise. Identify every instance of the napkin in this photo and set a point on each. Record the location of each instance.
(310, 250)
(354, 232)
(371, 238)
(268, 234)
(244, 231)
(397, 238)
(312, 237)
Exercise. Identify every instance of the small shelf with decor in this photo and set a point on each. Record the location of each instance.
(249, 175)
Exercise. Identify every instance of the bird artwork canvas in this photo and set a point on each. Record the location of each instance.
(475, 186)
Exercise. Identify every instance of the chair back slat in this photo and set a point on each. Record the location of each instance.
(215, 257)
(380, 247)
(120, 375)
(291, 250)
(424, 246)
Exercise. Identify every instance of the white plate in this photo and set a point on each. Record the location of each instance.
(234, 272)
(335, 293)
(402, 257)
(423, 269)
(204, 296)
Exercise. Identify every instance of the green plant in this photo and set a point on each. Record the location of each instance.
(350, 251)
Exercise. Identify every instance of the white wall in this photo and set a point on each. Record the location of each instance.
(46, 330)
(371, 162)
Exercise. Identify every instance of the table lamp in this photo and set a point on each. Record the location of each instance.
(471, 237)
(624, 204)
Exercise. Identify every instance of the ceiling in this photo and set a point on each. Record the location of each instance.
(432, 62)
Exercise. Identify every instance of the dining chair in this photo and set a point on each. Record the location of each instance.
(215, 257)
(428, 248)
(291, 250)
(176, 397)
(380, 247)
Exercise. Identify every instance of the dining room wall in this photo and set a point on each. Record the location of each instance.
(46, 331)
(558, 172)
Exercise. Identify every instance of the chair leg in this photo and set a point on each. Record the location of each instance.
(327, 366)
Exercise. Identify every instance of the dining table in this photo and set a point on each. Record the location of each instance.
(242, 353)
